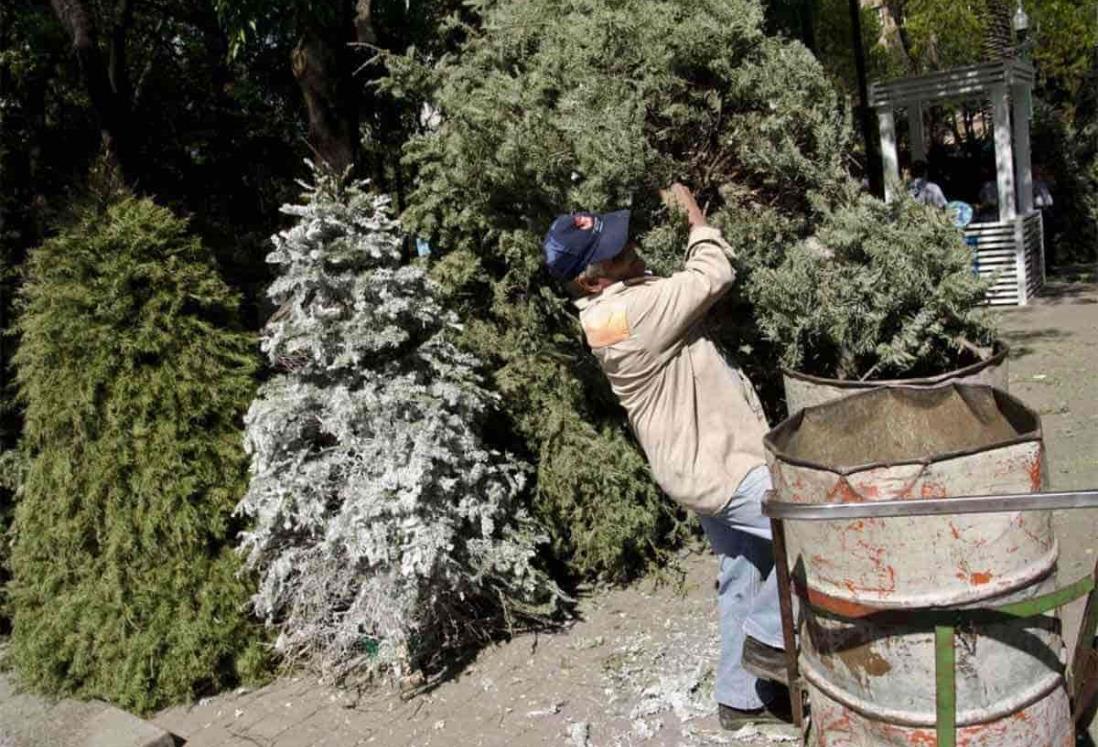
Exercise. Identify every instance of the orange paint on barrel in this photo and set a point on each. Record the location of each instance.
(933, 490)
(923, 737)
(843, 493)
(979, 578)
(1035, 474)
(908, 735)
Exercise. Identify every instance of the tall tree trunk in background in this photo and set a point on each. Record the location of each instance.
(106, 80)
(873, 168)
(895, 10)
(322, 64)
(998, 42)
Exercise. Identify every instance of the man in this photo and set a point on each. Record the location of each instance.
(1042, 196)
(922, 189)
(696, 417)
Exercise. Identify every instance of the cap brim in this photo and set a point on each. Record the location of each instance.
(614, 236)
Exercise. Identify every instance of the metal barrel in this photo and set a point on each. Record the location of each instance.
(867, 650)
(803, 390)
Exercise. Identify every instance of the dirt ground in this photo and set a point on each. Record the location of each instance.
(637, 666)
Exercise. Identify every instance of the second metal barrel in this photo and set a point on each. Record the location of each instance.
(866, 653)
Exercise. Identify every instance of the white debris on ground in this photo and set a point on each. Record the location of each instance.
(655, 679)
(579, 734)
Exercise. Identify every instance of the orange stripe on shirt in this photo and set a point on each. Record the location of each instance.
(607, 329)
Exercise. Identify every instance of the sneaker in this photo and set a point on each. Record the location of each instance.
(765, 661)
(777, 711)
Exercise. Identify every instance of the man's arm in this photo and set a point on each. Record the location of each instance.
(684, 298)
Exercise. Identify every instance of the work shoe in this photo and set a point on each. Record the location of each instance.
(765, 661)
(777, 711)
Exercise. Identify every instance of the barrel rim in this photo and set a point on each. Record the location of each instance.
(794, 421)
(1000, 352)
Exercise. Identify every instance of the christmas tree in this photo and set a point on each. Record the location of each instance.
(134, 378)
(386, 532)
(596, 105)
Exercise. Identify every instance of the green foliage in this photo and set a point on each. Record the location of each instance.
(597, 105)
(1065, 35)
(880, 291)
(1068, 153)
(1083, 153)
(944, 34)
(134, 382)
(11, 477)
(833, 42)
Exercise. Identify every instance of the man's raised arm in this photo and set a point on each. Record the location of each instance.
(686, 296)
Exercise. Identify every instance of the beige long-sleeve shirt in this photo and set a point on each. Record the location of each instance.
(697, 417)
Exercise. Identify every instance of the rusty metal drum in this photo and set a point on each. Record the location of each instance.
(803, 390)
(867, 658)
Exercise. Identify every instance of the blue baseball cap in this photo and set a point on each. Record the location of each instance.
(569, 248)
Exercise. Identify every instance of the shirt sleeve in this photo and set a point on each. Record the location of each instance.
(679, 301)
(938, 198)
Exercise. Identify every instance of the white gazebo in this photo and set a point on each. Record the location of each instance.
(1010, 251)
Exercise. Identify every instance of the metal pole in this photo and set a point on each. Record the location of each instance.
(789, 638)
(872, 163)
(966, 504)
(1084, 662)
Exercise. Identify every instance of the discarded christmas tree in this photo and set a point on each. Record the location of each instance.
(386, 533)
(880, 291)
(596, 106)
(126, 586)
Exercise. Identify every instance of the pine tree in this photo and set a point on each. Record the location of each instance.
(387, 533)
(880, 291)
(597, 105)
(134, 380)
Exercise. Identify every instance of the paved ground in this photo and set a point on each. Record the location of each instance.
(31, 721)
(636, 668)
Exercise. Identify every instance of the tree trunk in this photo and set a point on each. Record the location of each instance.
(873, 167)
(106, 81)
(322, 62)
(895, 9)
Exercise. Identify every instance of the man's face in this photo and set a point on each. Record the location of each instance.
(627, 264)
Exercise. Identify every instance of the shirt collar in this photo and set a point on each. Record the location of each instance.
(610, 291)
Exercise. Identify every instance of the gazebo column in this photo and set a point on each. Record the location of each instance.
(890, 160)
(1023, 167)
(918, 131)
(1004, 151)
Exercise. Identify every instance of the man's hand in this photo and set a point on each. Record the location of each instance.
(679, 197)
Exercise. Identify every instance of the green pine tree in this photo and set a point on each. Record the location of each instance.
(134, 379)
(596, 105)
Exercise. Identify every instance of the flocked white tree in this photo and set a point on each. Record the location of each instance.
(385, 532)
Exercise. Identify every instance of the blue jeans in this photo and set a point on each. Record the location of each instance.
(747, 589)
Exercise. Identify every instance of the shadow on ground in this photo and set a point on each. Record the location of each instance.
(1022, 342)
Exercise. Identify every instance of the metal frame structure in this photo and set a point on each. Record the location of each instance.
(944, 622)
(1010, 250)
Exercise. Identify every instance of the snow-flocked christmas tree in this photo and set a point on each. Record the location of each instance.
(386, 532)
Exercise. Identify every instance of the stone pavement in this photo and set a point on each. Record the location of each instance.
(32, 721)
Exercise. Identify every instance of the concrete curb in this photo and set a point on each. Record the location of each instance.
(28, 720)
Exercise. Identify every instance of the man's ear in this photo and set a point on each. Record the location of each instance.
(588, 285)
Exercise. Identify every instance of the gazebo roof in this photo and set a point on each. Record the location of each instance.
(958, 82)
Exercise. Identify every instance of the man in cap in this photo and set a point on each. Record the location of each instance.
(696, 416)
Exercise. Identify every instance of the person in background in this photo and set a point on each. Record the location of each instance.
(922, 189)
(987, 201)
(1042, 197)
